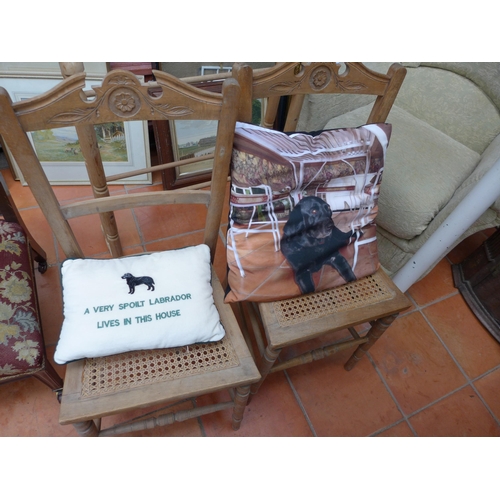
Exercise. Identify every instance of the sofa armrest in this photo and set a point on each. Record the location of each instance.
(488, 159)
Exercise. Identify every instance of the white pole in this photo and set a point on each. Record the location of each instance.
(475, 203)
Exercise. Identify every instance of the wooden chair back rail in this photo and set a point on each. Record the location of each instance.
(135, 200)
(158, 168)
(354, 80)
(299, 79)
(121, 97)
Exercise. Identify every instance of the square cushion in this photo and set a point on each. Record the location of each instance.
(424, 168)
(302, 210)
(150, 301)
(21, 341)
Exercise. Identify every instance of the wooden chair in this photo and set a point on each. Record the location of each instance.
(88, 393)
(374, 299)
(22, 350)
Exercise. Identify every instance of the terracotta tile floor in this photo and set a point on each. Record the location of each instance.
(434, 373)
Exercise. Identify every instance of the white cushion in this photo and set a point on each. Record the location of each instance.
(174, 307)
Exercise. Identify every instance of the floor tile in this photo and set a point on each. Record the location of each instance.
(72, 193)
(273, 411)
(129, 234)
(341, 403)
(194, 238)
(399, 430)
(21, 194)
(158, 222)
(30, 408)
(415, 364)
(475, 349)
(460, 415)
(88, 232)
(438, 283)
(488, 387)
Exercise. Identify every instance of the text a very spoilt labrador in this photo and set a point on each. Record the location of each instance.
(128, 307)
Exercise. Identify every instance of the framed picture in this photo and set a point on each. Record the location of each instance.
(169, 135)
(213, 70)
(195, 138)
(124, 146)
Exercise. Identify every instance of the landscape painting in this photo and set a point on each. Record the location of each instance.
(124, 146)
(62, 144)
(193, 139)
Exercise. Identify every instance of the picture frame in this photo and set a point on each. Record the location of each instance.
(191, 138)
(124, 145)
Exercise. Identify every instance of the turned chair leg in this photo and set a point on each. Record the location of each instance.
(240, 402)
(376, 331)
(87, 428)
(266, 363)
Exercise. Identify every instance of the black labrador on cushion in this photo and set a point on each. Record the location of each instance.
(311, 240)
(133, 281)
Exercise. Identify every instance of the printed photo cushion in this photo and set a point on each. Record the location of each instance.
(302, 210)
(151, 301)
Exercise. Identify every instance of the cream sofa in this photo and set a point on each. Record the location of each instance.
(446, 135)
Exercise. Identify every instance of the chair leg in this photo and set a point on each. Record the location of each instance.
(266, 363)
(49, 377)
(376, 331)
(240, 401)
(86, 429)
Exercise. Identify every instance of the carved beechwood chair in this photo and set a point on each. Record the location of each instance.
(98, 386)
(22, 348)
(374, 299)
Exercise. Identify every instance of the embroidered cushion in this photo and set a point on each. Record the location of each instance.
(302, 210)
(157, 300)
(21, 341)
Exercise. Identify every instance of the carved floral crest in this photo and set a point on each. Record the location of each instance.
(125, 97)
(318, 79)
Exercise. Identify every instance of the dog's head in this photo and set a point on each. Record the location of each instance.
(126, 276)
(311, 215)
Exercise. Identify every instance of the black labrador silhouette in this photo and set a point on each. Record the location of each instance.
(311, 240)
(132, 282)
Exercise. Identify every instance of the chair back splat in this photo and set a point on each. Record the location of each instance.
(166, 358)
(264, 203)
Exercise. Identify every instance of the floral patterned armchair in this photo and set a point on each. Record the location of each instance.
(22, 349)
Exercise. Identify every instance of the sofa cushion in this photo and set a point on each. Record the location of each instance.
(21, 341)
(486, 75)
(452, 104)
(423, 169)
(150, 301)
